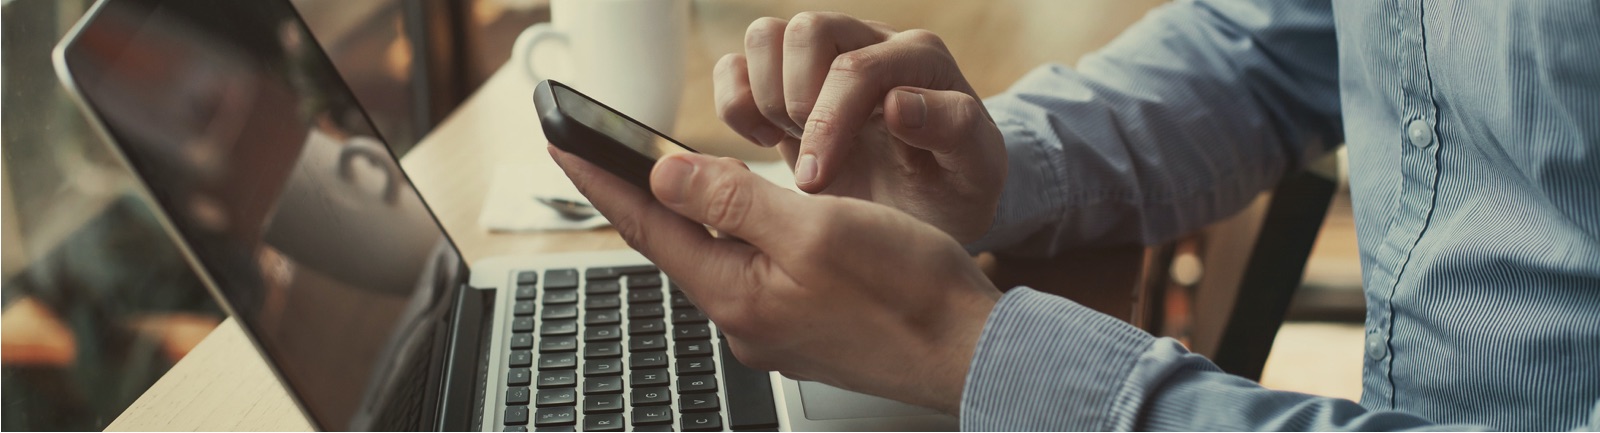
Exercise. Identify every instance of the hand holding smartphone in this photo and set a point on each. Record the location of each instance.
(582, 126)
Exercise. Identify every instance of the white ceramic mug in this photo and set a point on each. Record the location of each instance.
(627, 54)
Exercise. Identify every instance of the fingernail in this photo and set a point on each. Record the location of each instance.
(794, 131)
(805, 170)
(674, 174)
(913, 109)
(768, 136)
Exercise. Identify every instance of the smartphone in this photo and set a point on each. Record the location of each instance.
(601, 135)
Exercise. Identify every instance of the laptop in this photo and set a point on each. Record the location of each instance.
(293, 211)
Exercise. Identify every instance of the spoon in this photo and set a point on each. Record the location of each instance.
(569, 209)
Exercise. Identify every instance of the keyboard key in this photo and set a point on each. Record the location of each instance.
(652, 294)
(558, 361)
(606, 422)
(687, 366)
(702, 422)
(651, 396)
(552, 379)
(679, 300)
(558, 344)
(554, 416)
(515, 428)
(602, 333)
(648, 359)
(617, 271)
(651, 377)
(554, 312)
(643, 343)
(652, 415)
(517, 396)
(602, 317)
(691, 332)
(516, 415)
(706, 402)
(647, 326)
(521, 341)
(527, 291)
(518, 377)
(557, 397)
(602, 404)
(653, 428)
(602, 350)
(602, 385)
(602, 367)
(523, 308)
(521, 358)
(688, 384)
(602, 302)
(600, 274)
(642, 281)
(749, 392)
(553, 297)
(528, 277)
(688, 315)
(674, 288)
(559, 327)
(561, 279)
(647, 311)
(522, 324)
(692, 348)
(555, 428)
(607, 287)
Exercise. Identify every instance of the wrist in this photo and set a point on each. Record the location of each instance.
(953, 351)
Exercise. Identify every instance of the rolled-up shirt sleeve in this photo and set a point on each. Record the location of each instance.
(1179, 122)
(1045, 363)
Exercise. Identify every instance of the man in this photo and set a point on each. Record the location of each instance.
(1473, 131)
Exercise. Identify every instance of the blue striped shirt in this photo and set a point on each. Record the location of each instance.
(1473, 130)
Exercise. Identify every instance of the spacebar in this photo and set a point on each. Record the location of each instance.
(750, 406)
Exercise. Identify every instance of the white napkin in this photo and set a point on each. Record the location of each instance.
(512, 205)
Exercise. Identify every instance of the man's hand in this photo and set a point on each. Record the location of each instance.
(830, 289)
(933, 152)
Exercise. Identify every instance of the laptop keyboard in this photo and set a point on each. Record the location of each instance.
(619, 348)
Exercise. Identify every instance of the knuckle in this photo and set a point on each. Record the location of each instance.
(799, 111)
(732, 107)
(924, 36)
(854, 63)
(804, 23)
(727, 203)
(762, 31)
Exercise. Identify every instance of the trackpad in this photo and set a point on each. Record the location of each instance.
(823, 402)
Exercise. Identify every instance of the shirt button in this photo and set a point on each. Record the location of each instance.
(1376, 346)
(1420, 133)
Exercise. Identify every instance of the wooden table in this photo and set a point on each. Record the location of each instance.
(225, 384)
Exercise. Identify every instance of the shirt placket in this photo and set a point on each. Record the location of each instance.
(1419, 171)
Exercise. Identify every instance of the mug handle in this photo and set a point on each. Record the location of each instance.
(530, 38)
(355, 148)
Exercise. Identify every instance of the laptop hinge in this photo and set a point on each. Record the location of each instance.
(466, 364)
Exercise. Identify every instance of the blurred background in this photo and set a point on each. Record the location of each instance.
(98, 304)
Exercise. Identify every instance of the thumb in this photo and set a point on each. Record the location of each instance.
(952, 125)
(724, 194)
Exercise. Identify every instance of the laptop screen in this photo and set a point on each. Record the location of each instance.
(281, 189)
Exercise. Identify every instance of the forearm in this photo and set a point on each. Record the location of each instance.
(1179, 122)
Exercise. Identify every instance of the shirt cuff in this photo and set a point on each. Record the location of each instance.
(1031, 192)
(1046, 363)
